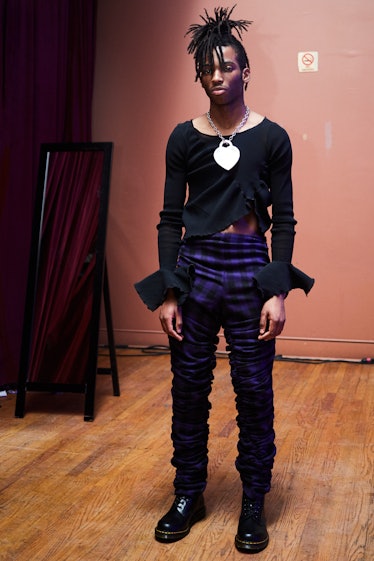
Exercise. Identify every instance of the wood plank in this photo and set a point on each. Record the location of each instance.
(77, 491)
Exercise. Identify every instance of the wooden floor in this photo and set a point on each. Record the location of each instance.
(77, 491)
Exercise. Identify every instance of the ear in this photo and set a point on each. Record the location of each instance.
(246, 74)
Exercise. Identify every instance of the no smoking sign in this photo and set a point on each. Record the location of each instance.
(307, 61)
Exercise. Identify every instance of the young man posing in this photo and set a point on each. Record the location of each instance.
(236, 164)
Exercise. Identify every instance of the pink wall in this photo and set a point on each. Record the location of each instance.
(145, 85)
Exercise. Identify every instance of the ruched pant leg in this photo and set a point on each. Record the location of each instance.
(192, 363)
(251, 371)
(251, 363)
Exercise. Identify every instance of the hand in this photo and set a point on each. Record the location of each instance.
(272, 319)
(171, 317)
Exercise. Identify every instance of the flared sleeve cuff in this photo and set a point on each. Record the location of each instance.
(279, 277)
(152, 290)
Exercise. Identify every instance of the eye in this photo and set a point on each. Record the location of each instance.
(228, 68)
(206, 70)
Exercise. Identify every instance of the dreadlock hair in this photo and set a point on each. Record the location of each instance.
(215, 34)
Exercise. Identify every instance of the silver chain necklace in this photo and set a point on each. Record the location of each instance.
(227, 155)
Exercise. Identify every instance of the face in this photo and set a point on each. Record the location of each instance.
(224, 83)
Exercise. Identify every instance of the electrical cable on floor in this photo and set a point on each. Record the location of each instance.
(316, 360)
(159, 350)
(152, 350)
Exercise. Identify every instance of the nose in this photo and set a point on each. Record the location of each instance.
(217, 75)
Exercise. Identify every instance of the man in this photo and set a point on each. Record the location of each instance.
(236, 164)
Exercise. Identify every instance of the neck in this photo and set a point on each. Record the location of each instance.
(227, 117)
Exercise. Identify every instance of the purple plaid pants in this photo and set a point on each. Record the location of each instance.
(224, 295)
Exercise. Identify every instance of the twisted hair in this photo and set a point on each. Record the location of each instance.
(215, 33)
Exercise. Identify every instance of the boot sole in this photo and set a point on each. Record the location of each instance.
(250, 547)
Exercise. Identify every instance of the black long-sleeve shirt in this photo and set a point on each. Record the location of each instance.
(201, 198)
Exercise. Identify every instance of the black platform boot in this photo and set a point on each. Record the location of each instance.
(252, 535)
(177, 522)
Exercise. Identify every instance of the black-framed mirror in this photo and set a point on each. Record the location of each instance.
(67, 276)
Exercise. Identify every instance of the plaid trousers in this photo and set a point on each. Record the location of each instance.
(223, 295)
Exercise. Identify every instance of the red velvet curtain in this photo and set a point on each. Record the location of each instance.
(61, 331)
(46, 80)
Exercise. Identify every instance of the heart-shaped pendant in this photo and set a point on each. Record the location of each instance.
(226, 155)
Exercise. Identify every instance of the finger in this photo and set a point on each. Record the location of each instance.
(178, 321)
(166, 324)
(273, 330)
(269, 329)
(174, 331)
(266, 336)
(176, 335)
(263, 323)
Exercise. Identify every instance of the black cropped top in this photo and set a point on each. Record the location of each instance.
(201, 198)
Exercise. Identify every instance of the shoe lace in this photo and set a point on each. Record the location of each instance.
(252, 509)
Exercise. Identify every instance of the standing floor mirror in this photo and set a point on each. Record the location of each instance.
(68, 278)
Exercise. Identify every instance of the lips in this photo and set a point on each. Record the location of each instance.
(218, 90)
